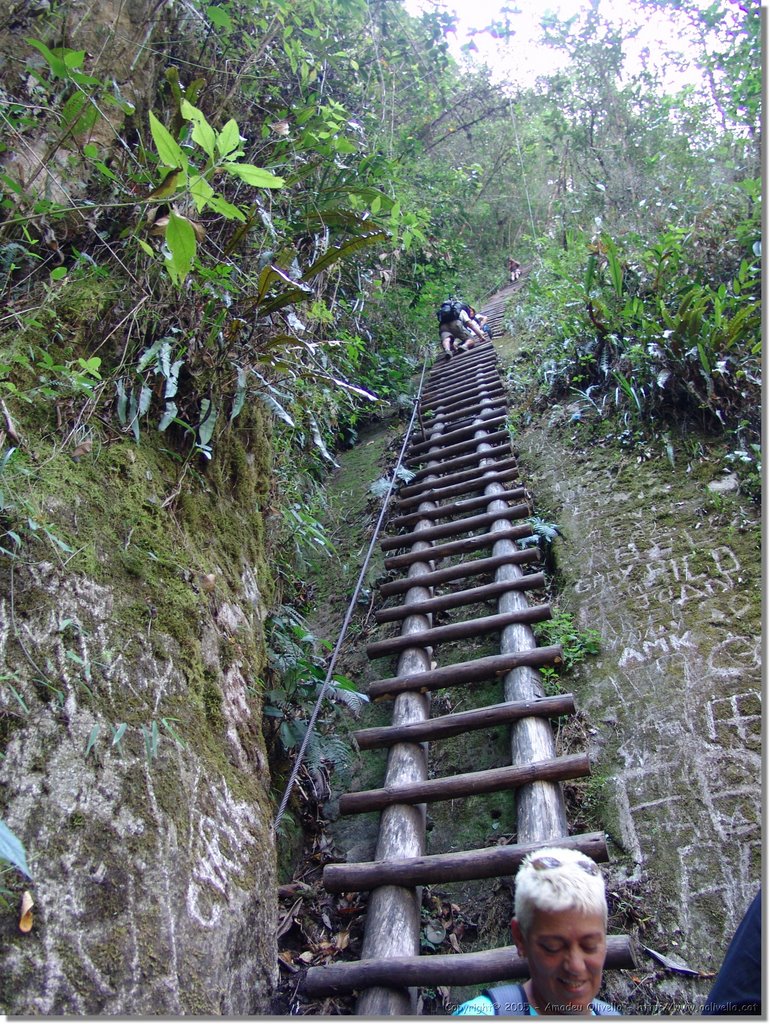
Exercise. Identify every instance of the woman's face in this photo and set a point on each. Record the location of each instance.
(565, 950)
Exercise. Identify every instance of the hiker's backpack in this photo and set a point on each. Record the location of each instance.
(448, 311)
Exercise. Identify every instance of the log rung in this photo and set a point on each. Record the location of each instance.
(453, 969)
(456, 630)
(457, 507)
(458, 434)
(465, 525)
(469, 865)
(473, 595)
(492, 780)
(463, 460)
(466, 412)
(440, 452)
(458, 547)
(461, 388)
(473, 479)
(488, 375)
(464, 672)
(464, 721)
(477, 567)
(451, 404)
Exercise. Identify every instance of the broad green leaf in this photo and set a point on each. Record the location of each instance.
(78, 115)
(343, 145)
(220, 205)
(146, 247)
(12, 850)
(181, 244)
(73, 58)
(229, 140)
(201, 192)
(57, 65)
(169, 150)
(58, 273)
(202, 132)
(91, 366)
(252, 175)
(219, 18)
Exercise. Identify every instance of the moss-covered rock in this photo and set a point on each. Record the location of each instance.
(134, 768)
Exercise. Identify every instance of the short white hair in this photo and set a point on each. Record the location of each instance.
(554, 879)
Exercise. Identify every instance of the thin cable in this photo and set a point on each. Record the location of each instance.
(521, 162)
(349, 613)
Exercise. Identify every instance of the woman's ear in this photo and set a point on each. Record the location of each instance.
(518, 937)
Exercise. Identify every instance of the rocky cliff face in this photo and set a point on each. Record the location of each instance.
(134, 588)
(133, 766)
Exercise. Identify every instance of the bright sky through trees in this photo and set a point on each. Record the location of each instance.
(523, 57)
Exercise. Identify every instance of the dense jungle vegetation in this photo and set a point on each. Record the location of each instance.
(225, 229)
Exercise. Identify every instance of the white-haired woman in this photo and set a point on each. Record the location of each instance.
(560, 926)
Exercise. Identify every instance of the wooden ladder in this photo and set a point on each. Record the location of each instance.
(464, 508)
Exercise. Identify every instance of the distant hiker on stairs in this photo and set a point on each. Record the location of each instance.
(457, 327)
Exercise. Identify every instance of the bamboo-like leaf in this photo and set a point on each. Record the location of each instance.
(168, 416)
(318, 441)
(342, 251)
(92, 737)
(616, 272)
(296, 294)
(269, 276)
(207, 422)
(118, 734)
(356, 390)
(240, 394)
(276, 407)
(12, 850)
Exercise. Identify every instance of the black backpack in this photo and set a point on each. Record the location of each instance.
(448, 311)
